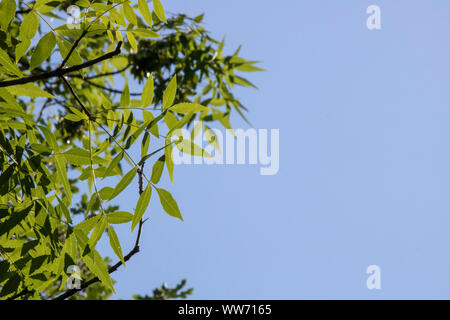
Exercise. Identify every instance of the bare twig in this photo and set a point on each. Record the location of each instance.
(76, 97)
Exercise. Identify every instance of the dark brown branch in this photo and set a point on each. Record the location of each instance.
(61, 72)
(71, 292)
(133, 251)
(23, 11)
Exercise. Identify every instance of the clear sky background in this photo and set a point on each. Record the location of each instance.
(364, 161)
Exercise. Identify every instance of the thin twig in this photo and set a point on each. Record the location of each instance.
(76, 97)
(74, 46)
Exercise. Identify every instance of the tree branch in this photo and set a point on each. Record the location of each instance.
(74, 46)
(61, 72)
(133, 251)
(71, 292)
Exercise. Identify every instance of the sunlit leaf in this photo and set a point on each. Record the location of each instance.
(157, 170)
(115, 244)
(141, 206)
(169, 204)
(124, 182)
(43, 50)
(159, 10)
(147, 93)
(119, 217)
(188, 108)
(169, 93)
(145, 11)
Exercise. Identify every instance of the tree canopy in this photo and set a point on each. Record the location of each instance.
(91, 96)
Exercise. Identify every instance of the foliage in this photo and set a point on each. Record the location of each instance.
(165, 293)
(66, 127)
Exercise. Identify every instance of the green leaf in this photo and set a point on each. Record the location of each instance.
(93, 260)
(132, 41)
(7, 12)
(100, 7)
(61, 170)
(83, 3)
(125, 97)
(145, 11)
(153, 126)
(73, 117)
(124, 182)
(50, 138)
(199, 18)
(11, 285)
(169, 204)
(28, 90)
(147, 94)
(243, 82)
(105, 193)
(79, 113)
(141, 206)
(129, 14)
(98, 231)
(171, 120)
(29, 26)
(79, 157)
(64, 49)
(119, 217)
(188, 108)
(169, 93)
(157, 170)
(189, 147)
(169, 159)
(45, 6)
(87, 225)
(71, 247)
(144, 145)
(22, 48)
(41, 148)
(10, 67)
(159, 10)
(115, 244)
(43, 50)
(65, 211)
(145, 33)
(14, 220)
(114, 163)
(114, 15)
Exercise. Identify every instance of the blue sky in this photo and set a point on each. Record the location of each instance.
(364, 161)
